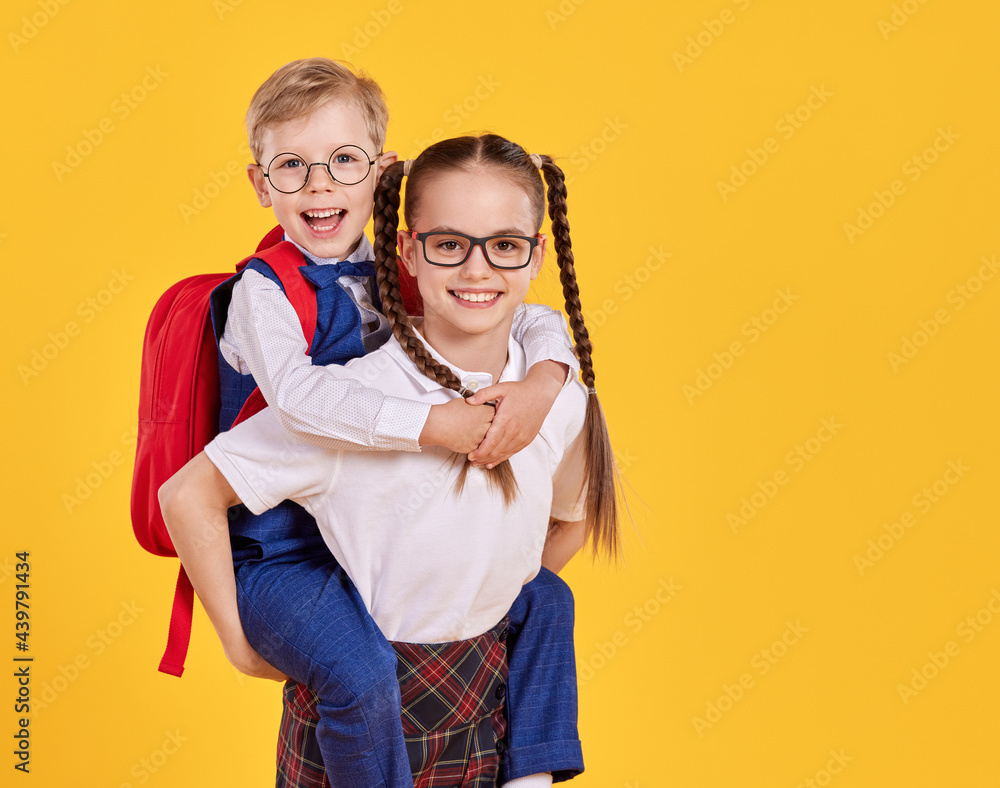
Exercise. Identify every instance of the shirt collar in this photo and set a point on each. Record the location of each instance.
(515, 368)
(363, 254)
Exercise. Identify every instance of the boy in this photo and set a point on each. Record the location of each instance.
(317, 132)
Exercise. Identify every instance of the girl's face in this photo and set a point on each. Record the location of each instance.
(473, 298)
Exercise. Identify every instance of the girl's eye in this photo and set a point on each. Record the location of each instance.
(506, 246)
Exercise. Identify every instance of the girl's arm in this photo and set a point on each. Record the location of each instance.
(195, 503)
(564, 540)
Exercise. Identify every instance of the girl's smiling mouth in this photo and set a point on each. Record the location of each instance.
(485, 297)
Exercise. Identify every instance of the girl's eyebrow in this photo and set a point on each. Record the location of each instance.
(502, 231)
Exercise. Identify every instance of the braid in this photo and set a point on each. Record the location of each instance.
(500, 476)
(556, 182)
(386, 225)
(600, 469)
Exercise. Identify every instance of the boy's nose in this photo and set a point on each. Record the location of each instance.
(320, 178)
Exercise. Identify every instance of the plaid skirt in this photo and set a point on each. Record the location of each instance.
(452, 713)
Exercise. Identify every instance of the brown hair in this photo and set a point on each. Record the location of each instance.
(463, 153)
(303, 86)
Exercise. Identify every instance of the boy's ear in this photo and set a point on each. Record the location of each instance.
(407, 252)
(259, 182)
(387, 158)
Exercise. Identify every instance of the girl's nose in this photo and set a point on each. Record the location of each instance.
(476, 265)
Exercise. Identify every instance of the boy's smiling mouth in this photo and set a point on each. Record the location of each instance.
(324, 219)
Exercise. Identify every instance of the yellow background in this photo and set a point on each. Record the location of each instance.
(765, 652)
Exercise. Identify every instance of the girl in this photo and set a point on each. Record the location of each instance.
(463, 541)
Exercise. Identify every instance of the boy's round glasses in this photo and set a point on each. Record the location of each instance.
(289, 172)
(451, 249)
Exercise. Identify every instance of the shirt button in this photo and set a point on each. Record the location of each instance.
(500, 691)
(472, 385)
(501, 746)
(502, 635)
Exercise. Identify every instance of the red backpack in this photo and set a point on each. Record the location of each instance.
(179, 404)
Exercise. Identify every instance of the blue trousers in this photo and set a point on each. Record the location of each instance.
(303, 615)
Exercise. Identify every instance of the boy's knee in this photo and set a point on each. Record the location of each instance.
(549, 590)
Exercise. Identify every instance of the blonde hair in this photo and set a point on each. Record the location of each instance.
(511, 160)
(303, 86)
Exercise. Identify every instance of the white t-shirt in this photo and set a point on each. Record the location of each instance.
(432, 565)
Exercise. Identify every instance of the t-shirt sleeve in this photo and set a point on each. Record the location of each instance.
(542, 333)
(266, 465)
(324, 405)
(568, 481)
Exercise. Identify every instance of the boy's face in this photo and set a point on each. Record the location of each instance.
(324, 217)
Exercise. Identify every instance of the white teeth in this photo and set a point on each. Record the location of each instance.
(477, 297)
(324, 213)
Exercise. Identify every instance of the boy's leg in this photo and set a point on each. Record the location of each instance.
(541, 701)
(305, 617)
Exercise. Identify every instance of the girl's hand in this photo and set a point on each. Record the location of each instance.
(457, 425)
(521, 408)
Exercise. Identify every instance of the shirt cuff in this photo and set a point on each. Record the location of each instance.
(407, 419)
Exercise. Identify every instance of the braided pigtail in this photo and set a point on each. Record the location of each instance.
(500, 476)
(600, 470)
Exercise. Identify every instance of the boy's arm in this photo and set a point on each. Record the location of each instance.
(195, 502)
(325, 405)
(522, 406)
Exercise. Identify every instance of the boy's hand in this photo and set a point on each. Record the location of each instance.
(457, 425)
(250, 663)
(521, 408)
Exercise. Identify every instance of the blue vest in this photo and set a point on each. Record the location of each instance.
(288, 527)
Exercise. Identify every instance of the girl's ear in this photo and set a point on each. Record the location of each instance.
(259, 182)
(538, 256)
(407, 252)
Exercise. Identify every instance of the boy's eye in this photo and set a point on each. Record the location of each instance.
(344, 158)
(291, 164)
